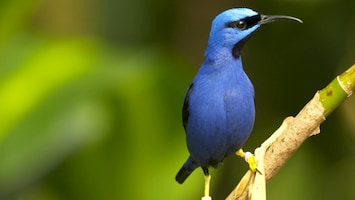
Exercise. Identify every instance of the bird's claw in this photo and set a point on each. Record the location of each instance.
(250, 159)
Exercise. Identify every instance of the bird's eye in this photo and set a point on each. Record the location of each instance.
(241, 24)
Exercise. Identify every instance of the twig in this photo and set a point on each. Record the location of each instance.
(280, 146)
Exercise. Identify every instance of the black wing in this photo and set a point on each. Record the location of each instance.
(185, 108)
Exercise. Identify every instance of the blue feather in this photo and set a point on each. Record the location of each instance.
(218, 111)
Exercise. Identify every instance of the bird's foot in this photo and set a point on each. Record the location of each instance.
(207, 187)
(250, 159)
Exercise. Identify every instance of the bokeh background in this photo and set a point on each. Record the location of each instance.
(91, 94)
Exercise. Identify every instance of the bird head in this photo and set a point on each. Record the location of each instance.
(231, 29)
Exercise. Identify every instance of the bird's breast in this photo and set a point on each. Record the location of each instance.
(221, 115)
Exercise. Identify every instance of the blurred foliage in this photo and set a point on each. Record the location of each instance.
(91, 94)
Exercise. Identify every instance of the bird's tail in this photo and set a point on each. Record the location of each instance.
(189, 166)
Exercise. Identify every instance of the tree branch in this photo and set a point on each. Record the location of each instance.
(280, 146)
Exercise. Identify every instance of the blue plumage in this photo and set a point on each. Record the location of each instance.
(218, 111)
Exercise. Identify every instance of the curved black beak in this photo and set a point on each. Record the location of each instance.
(265, 19)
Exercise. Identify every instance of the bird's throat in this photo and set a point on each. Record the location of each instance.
(238, 47)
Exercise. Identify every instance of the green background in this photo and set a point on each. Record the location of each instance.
(91, 94)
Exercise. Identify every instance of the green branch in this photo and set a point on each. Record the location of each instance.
(280, 146)
(338, 90)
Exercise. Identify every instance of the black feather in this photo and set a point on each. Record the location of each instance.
(185, 108)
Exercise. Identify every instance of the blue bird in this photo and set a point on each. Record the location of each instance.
(218, 111)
